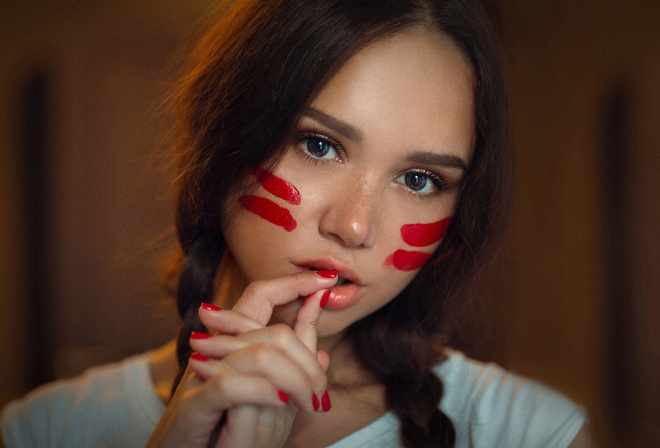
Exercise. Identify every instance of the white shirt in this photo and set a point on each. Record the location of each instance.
(115, 405)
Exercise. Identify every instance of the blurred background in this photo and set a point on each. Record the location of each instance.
(86, 213)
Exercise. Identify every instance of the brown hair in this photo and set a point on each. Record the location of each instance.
(249, 80)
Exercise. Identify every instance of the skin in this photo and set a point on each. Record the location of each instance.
(408, 93)
(353, 207)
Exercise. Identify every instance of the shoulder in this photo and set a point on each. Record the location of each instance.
(86, 410)
(493, 407)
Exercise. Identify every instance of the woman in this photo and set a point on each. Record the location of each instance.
(345, 168)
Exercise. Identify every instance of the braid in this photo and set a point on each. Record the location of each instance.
(400, 343)
(422, 425)
(195, 286)
(401, 357)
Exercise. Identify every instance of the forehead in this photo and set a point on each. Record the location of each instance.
(414, 87)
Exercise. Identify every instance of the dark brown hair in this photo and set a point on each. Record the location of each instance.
(249, 80)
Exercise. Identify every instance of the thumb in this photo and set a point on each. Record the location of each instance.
(308, 318)
(323, 358)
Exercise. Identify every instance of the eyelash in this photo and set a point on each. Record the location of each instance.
(301, 137)
(440, 183)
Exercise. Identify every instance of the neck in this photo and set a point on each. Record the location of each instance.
(345, 370)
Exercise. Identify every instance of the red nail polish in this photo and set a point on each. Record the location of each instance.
(327, 273)
(197, 357)
(315, 401)
(324, 299)
(325, 402)
(283, 396)
(200, 335)
(211, 307)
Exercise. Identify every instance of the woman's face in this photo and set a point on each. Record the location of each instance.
(370, 181)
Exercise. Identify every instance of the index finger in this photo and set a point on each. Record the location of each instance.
(307, 318)
(261, 296)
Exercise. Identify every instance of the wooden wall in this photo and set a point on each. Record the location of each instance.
(586, 275)
(84, 200)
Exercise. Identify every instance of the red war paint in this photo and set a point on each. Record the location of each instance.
(270, 211)
(420, 235)
(405, 260)
(276, 186)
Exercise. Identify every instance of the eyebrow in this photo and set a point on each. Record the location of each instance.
(333, 123)
(442, 160)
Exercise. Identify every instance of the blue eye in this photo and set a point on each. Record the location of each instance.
(416, 181)
(422, 181)
(419, 182)
(321, 148)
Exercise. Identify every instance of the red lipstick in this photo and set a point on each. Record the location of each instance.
(276, 186)
(420, 235)
(405, 260)
(270, 211)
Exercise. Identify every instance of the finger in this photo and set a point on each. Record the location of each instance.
(260, 297)
(198, 406)
(308, 316)
(249, 426)
(241, 428)
(227, 389)
(280, 337)
(323, 358)
(226, 321)
(260, 360)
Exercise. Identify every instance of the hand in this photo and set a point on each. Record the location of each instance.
(275, 354)
(251, 370)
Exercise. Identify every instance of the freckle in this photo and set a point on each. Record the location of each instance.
(270, 211)
(277, 186)
(405, 260)
(420, 235)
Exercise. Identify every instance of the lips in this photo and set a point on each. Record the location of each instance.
(345, 273)
(340, 281)
(348, 288)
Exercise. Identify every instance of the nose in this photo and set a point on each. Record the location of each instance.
(351, 215)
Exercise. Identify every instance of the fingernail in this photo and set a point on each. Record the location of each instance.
(197, 357)
(283, 396)
(324, 299)
(325, 402)
(200, 335)
(327, 273)
(315, 401)
(211, 307)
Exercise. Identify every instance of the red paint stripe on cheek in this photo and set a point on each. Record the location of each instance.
(420, 235)
(405, 260)
(276, 186)
(270, 211)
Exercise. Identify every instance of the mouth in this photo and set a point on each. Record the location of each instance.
(348, 289)
(340, 281)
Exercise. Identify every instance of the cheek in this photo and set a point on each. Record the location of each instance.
(421, 235)
(276, 186)
(417, 235)
(268, 209)
(405, 260)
